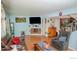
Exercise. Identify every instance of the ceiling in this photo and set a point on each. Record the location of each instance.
(36, 7)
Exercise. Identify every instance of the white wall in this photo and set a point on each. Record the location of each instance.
(25, 26)
(56, 19)
(19, 27)
(7, 25)
(57, 23)
(3, 22)
(73, 40)
(64, 12)
(46, 25)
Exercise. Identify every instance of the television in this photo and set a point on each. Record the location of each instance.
(35, 20)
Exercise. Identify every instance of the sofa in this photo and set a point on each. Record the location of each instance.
(61, 41)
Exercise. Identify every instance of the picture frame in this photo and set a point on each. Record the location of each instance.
(20, 20)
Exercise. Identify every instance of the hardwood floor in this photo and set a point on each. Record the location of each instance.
(31, 40)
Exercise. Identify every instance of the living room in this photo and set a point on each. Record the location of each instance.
(33, 26)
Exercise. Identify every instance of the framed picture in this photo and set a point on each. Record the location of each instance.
(20, 20)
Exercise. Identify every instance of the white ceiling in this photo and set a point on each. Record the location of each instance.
(36, 7)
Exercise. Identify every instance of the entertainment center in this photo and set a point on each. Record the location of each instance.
(35, 25)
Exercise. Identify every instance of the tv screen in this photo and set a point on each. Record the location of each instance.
(35, 20)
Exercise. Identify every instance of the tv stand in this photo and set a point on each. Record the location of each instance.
(35, 29)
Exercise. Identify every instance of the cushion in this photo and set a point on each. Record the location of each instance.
(63, 39)
(16, 40)
(43, 45)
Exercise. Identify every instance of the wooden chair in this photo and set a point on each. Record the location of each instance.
(37, 47)
(52, 32)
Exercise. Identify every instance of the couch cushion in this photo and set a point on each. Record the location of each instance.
(42, 45)
(63, 39)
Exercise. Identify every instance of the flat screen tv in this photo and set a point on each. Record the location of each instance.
(35, 20)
